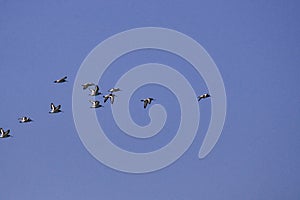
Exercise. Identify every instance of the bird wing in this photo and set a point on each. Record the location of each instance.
(58, 107)
(105, 98)
(52, 106)
(6, 133)
(145, 104)
(150, 100)
(112, 99)
(62, 79)
(96, 89)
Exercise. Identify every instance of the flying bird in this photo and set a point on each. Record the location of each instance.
(86, 85)
(114, 90)
(147, 101)
(24, 119)
(55, 109)
(61, 80)
(109, 96)
(203, 96)
(95, 104)
(95, 92)
(4, 134)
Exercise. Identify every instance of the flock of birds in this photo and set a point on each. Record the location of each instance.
(95, 104)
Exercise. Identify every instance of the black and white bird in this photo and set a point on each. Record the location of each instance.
(62, 80)
(95, 104)
(147, 101)
(109, 96)
(4, 134)
(86, 85)
(203, 96)
(24, 119)
(55, 109)
(114, 90)
(95, 92)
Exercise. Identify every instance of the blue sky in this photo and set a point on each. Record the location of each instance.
(256, 48)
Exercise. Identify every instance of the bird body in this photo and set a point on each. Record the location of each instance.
(109, 96)
(55, 109)
(147, 101)
(86, 85)
(24, 119)
(62, 80)
(95, 92)
(95, 104)
(4, 134)
(203, 96)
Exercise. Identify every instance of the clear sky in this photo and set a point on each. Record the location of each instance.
(256, 47)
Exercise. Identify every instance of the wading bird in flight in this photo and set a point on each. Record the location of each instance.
(95, 92)
(114, 90)
(147, 101)
(62, 80)
(203, 96)
(4, 134)
(55, 109)
(86, 85)
(95, 104)
(109, 96)
(24, 119)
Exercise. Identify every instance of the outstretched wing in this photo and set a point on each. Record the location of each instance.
(150, 100)
(96, 89)
(58, 107)
(145, 104)
(112, 99)
(105, 98)
(7, 132)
